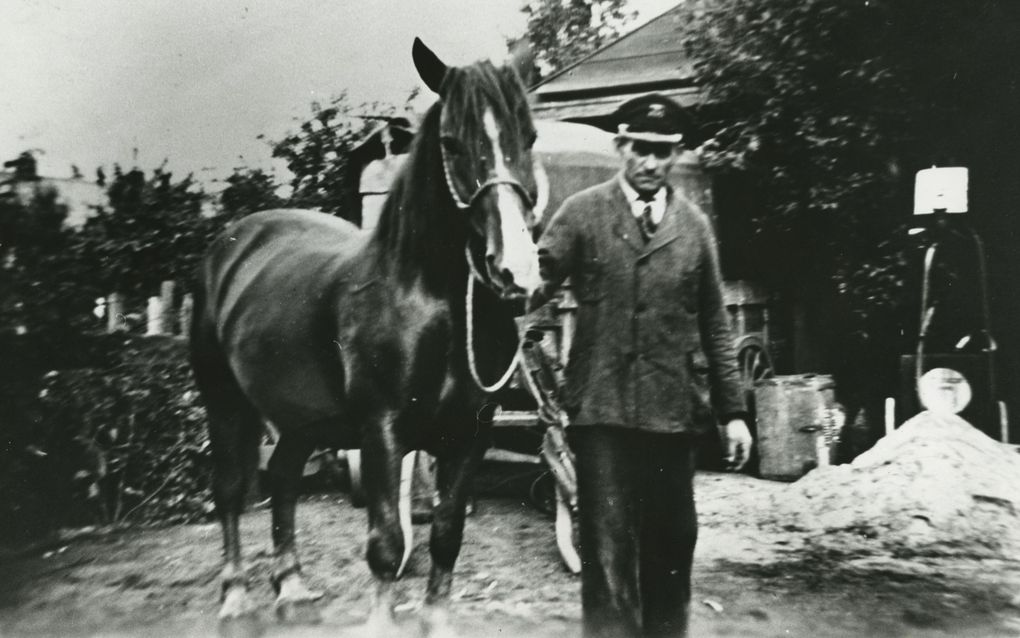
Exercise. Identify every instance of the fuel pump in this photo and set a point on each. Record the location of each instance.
(952, 367)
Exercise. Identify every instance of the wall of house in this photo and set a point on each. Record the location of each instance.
(80, 196)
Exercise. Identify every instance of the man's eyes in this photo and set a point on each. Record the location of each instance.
(658, 150)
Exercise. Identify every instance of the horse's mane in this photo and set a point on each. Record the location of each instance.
(420, 229)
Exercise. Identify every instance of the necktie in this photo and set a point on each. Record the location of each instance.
(648, 226)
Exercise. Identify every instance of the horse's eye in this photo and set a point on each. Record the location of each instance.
(452, 146)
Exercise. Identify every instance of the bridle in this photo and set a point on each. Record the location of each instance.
(474, 274)
(484, 186)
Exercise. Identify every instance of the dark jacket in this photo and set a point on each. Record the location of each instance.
(648, 314)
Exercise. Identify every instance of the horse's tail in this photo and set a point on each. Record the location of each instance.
(198, 302)
(200, 339)
(235, 427)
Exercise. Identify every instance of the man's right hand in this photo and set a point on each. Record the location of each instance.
(736, 444)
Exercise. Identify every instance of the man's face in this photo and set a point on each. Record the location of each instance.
(646, 165)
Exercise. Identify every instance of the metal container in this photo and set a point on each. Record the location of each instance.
(798, 422)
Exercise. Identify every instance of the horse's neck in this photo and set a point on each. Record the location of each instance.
(421, 235)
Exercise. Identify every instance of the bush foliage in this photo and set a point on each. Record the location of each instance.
(106, 429)
(562, 32)
(120, 440)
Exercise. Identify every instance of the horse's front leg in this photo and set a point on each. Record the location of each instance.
(285, 470)
(456, 469)
(381, 459)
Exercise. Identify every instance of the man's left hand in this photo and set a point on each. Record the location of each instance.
(736, 444)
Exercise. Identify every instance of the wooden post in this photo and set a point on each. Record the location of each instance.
(154, 317)
(890, 415)
(184, 316)
(166, 297)
(115, 313)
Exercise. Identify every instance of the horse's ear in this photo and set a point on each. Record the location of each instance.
(430, 67)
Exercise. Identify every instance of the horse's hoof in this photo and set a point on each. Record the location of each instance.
(296, 603)
(237, 615)
(237, 604)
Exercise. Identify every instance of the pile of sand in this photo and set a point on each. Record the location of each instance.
(936, 485)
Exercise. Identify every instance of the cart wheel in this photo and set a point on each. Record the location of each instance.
(754, 361)
(566, 535)
(357, 493)
(543, 493)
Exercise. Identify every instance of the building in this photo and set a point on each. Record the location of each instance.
(649, 58)
(22, 184)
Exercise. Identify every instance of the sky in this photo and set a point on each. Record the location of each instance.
(198, 82)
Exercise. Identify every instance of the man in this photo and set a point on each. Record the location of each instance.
(652, 335)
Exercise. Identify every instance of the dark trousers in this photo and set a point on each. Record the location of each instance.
(637, 529)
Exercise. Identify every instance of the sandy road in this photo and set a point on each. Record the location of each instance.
(751, 579)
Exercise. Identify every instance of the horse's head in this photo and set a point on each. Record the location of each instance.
(486, 134)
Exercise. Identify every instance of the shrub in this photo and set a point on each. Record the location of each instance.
(122, 440)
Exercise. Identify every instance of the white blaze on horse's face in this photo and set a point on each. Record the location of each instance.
(518, 255)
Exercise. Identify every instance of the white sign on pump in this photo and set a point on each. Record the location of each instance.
(941, 189)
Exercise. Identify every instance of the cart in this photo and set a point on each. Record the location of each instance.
(747, 305)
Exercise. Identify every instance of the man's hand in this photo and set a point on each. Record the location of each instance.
(736, 444)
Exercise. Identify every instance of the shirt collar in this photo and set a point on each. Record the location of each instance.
(637, 205)
(632, 195)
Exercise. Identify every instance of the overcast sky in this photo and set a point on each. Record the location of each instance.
(197, 81)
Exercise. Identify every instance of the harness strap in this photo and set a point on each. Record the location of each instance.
(472, 365)
(495, 181)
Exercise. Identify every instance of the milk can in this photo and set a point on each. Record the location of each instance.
(799, 423)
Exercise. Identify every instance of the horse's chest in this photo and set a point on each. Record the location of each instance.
(404, 352)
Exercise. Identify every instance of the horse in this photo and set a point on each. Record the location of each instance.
(379, 340)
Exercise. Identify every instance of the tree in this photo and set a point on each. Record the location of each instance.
(153, 230)
(828, 108)
(248, 191)
(562, 32)
(37, 284)
(832, 106)
(318, 153)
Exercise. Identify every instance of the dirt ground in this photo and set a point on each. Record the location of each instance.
(752, 578)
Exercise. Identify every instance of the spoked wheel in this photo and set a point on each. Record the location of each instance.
(755, 365)
(543, 493)
(754, 362)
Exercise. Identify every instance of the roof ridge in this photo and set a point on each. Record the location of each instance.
(603, 48)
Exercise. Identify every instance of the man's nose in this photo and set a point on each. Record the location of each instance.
(651, 162)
